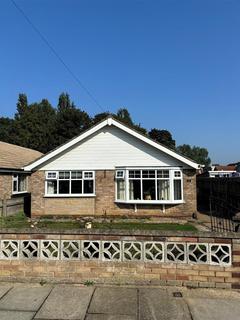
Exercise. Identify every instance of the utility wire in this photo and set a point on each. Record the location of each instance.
(60, 59)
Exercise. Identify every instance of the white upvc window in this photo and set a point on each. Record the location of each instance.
(177, 185)
(19, 183)
(70, 183)
(120, 185)
(147, 185)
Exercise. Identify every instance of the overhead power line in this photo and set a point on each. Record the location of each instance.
(57, 55)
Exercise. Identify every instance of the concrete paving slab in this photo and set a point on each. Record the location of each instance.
(120, 301)
(109, 317)
(16, 315)
(203, 293)
(158, 304)
(66, 302)
(4, 289)
(214, 309)
(25, 298)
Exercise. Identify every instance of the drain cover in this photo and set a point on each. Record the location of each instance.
(177, 294)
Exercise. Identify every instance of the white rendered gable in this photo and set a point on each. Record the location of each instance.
(108, 148)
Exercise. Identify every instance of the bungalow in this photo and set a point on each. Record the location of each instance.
(14, 181)
(112, 170)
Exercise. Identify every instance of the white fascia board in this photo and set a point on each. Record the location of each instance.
(66, 146)
(156, 145)
(109, 122)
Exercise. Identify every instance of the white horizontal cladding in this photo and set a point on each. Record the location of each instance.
(111, 147)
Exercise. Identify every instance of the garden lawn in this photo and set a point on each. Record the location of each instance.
(21, 221)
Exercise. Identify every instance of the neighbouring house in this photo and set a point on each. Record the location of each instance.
(221, 171)
(14, 181)
(112, 170)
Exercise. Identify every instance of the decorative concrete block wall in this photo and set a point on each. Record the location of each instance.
(188, 259)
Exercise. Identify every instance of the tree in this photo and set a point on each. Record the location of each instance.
(22, 104)
(64, 102)
(198, 154)
(124, 116)
(70, 121)
(34, 126)
(100, 116)
(162, 136)
(5, 129)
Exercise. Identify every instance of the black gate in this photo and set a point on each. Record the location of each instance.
(220, 197)
(27, 205)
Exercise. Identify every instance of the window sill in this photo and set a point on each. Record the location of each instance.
(20, 192)
(150, 201)
(69, 195)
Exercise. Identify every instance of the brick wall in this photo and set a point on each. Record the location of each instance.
(79, 271)
(5, 186)
(104, 202)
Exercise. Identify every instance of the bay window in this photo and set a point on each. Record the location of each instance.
(69, 183)
(149, 185)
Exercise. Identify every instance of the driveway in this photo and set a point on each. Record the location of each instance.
(48, 302)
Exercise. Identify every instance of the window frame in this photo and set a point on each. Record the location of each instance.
(16, 179)
(70, 194)
(156, 178)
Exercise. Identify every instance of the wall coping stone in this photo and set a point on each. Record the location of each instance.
(122, 232)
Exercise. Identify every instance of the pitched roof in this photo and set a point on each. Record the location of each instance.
(110, 121)
(225, 168)
(15, 157)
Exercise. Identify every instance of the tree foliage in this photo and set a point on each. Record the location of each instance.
(162, 136)
(34, 126)
(100, 116)
(70, 121)
(5, 129)
(123, 115)
(198, 154)
(42, 127)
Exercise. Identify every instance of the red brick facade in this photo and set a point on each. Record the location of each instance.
(103, 204)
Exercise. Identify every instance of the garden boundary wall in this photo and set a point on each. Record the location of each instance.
(203, 259)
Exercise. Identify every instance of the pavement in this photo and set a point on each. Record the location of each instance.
(62, 302)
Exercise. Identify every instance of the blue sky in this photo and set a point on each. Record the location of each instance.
(174, 64)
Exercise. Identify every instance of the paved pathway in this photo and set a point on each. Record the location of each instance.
(62, 302)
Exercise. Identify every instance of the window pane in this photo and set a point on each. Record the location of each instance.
(63, 186)
(52, 187)
(88, 175)
(76, 175)
(119, 174)
(120, 189)
(134, 174)
(76, 186)
(163, 191)
(149, 192)
(64, 174)
(88, 186)
(22, 183)
(177, 174)
(135, 189)
(148, 174)
(15, 189)
(177, 189)
(163, 174)
(51, 175)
